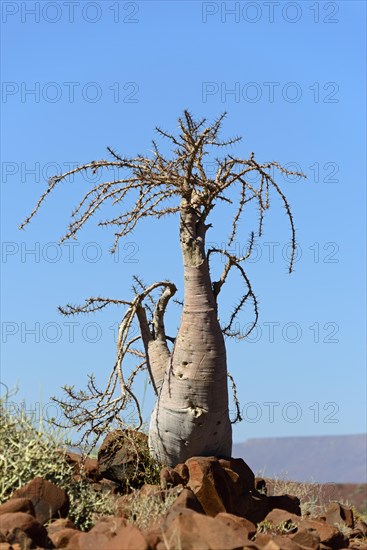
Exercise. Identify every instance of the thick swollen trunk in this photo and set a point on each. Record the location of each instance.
(191, 414)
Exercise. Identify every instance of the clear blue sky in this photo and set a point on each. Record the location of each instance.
(292, 77)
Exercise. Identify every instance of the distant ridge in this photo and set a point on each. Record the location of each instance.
(323, 459)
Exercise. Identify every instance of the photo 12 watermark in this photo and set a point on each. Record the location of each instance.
(69, 92)
(270, 12)
(30, 12)
(269, 92)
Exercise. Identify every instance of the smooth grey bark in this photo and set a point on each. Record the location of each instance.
(191, 414)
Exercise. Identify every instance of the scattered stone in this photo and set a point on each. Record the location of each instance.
(338, 513)
(187, 499)
(121, 457)
(83, 466)
(190, 530)
(285, 502)
(128, 538)
(277, 516)
(329, 535)
(48, 500)
(237, 524)
(260, 485)
(170, 478)
(183, 472)
(13, 522)
(308, 538)
(61, 538)
(246, 477)
(17, 505)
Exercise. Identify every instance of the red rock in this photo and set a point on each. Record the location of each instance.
(278, 542)
(329, 535)
(187, 499)
(12, 521)
(285, 502)
(338, 513)
(170, 478)
(128, 538)
(260, 485)
(254, 507)
(108, 526)
(121, 457)
(282, 516)
(48, 500)
(62, 538)
(307, 538)
(191, 531)
(87, 541)
(183, 472)
(236, 523)
(5, 546)
(82, 465)
(208, 484)
(246, 476)
(17, 505)
(59, 524)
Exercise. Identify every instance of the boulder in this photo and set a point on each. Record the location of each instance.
(237, 524)
(12, 523)
(308, 538)
(128, 538)
(338, 513)
(48, 500)
(83, 466)
(285, 502)
(121, 457)
(17, 505)
(189, 530)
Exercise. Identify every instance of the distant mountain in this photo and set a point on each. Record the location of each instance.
(338, 459)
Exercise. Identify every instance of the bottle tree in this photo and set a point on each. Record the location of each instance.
(189, 370)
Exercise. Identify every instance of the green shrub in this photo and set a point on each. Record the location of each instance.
(28, 450)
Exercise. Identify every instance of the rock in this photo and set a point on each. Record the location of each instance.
(121, 457)
(218, 488)
(128, 538)
(285, 502)
(17, 505)
(170, 478)
(260, 485)
(254, 507)
(277, 516)
(360, 529)
(59, 524)
(329, 535)
(83, 466)
(19, 539)
(183, 472)
(187, 499)
(62, 538)
(209, 483)
(246, 477)
(12, 522)
(307, 538)
(5, 546)
(87, 541)
(108, 526)
(338, 513)
(191, 531)
(278, 542)
(48, 500)
(107, 486)
(237, 524)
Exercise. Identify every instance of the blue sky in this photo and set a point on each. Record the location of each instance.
(80, 76)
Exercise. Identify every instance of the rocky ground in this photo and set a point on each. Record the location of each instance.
(204, 504)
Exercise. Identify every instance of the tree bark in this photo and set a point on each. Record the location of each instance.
(191, 415)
